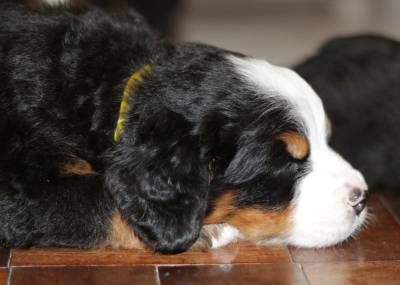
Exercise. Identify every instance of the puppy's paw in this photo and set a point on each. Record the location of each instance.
(203, 243)
(216, 235)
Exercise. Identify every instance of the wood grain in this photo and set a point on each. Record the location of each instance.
(232, 274)
(4, 256)
(235, 253)
(143, 275)
(3, 276)
(355, 273)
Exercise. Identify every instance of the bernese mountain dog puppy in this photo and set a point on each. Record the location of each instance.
(358, 79)
(112, 137)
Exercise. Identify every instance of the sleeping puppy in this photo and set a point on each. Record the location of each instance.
(358, 79)
(112, 137)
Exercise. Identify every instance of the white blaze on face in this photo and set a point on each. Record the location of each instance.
(322, 215)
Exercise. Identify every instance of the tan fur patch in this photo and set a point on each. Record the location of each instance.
(223, 206)
(122, 235)
(77, 167)
(296, 144)
(258, 224)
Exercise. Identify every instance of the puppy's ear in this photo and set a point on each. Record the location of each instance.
(219, 135)
(160, 182)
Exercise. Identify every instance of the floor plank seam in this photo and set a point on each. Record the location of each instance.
(81, 265)
(10, 272)
(227, 263)
(9, 258)
(157, 273)
(289, 254)
(304, 273)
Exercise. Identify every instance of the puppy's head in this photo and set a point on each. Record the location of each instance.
(218, 138)
(278, 180)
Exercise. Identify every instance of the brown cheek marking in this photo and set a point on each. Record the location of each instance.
(77, 167)
(296, 144)
(122, 235)
(223, 206)
(258, 224)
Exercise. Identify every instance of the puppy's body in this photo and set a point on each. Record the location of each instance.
(62, 78)
(209, 137)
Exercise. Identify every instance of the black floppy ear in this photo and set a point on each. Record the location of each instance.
(219, 136)
(159, 181)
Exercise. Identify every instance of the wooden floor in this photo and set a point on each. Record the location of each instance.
(374, 258)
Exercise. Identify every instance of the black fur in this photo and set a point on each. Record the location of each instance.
(160, 14)
(62, 79)
(358, 79)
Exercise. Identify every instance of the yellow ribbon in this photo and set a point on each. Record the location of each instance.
(135, 79)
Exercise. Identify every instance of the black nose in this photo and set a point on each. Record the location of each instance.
(358, 199)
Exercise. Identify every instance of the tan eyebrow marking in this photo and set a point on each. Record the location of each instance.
(296, 144)
(77, 167)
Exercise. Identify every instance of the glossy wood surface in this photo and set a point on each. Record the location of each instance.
(84, 275)
(354, 272)
(4, 257)
(3, 276)
(238, 253)
(233, 274)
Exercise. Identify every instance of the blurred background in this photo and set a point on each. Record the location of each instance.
(282, 31)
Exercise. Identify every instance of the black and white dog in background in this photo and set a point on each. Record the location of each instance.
(111, 136)
(358, 79)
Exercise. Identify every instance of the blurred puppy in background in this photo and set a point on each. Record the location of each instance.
(358, 79)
